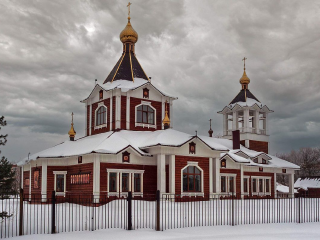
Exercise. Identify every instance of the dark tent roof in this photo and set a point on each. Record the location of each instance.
(127, 67)
(243, 95)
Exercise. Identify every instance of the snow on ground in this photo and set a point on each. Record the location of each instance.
(283, 231)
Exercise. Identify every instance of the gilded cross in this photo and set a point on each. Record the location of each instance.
(72, 117)
(244, 62)
(129, 9)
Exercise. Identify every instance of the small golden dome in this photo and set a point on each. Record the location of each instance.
(128, 34)
(72, 132)
(244, 79)
(166, 119)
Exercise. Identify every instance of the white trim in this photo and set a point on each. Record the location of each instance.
(64, 182)
(96, 178)
(44, 174)
(95, 116)
(145, 124)
(201, 193)
(172, 172)
(210, 175)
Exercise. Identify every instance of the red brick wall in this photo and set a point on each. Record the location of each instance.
(82, 189)
(149, 176)
(258, 146)
(157, 105)
(181, 162)
(262, 174)
(123, 112)
(313, 192)
(94, 107)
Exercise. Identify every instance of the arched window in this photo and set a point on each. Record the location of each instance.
(101, 116)
(145, 114)
(191, 179)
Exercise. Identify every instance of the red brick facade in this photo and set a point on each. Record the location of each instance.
(258, 146)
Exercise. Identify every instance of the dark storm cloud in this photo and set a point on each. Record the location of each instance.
(51, 52)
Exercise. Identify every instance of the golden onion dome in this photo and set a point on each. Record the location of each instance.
(72, 132)
(244, 79)
(128, 34)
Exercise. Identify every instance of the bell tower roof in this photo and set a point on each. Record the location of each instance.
(128, 67)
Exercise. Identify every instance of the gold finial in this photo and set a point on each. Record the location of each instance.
(72, 132)
(166, 120)
(129, 10)
(128, 34)
(244, 80)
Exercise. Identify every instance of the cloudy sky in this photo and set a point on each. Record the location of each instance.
(51, 52)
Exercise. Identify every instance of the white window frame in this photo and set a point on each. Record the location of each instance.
(201, 193)
(100, 104)
(227, 175)
(119, 182)
(145, 124)
(248, 185)
(258, 193)
(55, 182)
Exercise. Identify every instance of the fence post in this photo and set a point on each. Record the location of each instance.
(158, 211)
(129, 199)
(53, 213)
(21, 213)
(232, 204)
(299, 210)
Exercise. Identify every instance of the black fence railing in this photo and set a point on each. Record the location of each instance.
(25, 215)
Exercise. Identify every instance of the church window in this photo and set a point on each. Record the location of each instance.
(60, 182)
(145, 93)
(191, 179)
(100, 94)
(125, 157)
(192, 148)
(101, 116)
(145, 114)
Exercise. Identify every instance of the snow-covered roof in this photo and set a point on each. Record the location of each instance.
(308, 182)
(115, 142)
(126, 85)
(283, 189)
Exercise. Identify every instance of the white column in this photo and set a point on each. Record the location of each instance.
(266, 124)
(210, 175)
(234, 121)
(256, 122)
(172, 172)
(161, 173)
(44, 174)
(216, 175)
(247, 143)
(128, 111)
(118, 109)
(246, 120)
(111, 103)
(275, 185)
(21, 176)
(291, 185)
(241, 180)
(225, 124)
(96, 178)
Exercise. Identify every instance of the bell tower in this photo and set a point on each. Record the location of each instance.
(248, 115)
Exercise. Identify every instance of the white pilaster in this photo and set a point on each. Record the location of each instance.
(118, 109)
(225, 124)
(172, 172)
(291, 185)
(246, 120)
(111, 104)
(96, 177)
(161, 173)
(216, 175)
(275, 185)
(241, 180)
(266, 123)
(128, 111)
(90, 119)
(21, 176)
(210, 175)
(44, 174)
(235, 121)
(256, 122)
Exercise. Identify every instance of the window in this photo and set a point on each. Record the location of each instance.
(80, 178)
(284, 170)
(254, 185)
(191, 179)
(228, 183)
(268, 185)
(261, 185)
(101, 116)
(125, 157)
(145, 93)
(264, 161)
(255, 160)
(80, 159)
(60, 183)
(137, 182)
(125, 182)
(223, 163)
(145, 114)
(260, 169)
(36, 175)
(113, 182)
(245, 185)
(192, 148)
(100, 94)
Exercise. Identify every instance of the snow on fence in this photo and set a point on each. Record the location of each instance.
(159, 213)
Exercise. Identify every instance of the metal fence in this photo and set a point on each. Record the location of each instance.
(33, 215)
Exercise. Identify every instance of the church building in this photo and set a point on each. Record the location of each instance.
(130, 145)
